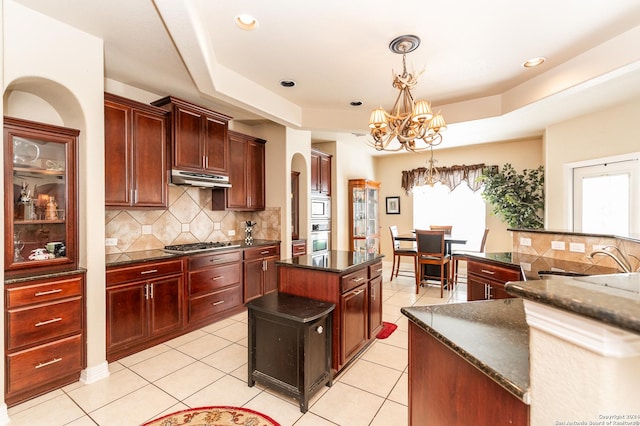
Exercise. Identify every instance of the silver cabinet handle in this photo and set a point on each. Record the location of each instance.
(319, 329)
(150, 271)
(218, 277)
(45, 293)
(44, 364)
(264, 252)
(219, 302)
(357, 280)
(488, 272)
(146, 292)
(151, 285)
(355, 293)
(51, 321)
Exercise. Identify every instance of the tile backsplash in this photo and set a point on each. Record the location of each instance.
(188, 219)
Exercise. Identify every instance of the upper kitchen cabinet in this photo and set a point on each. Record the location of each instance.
(320, 173)
(40, 197)
(364, 223)
(246, 175)
(198, 137)
(136, 153)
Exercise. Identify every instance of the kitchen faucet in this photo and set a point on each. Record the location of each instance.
(622, 261)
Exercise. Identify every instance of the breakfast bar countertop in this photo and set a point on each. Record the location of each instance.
(491, 335)
(334, 261)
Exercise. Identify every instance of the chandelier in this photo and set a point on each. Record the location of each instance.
(409, 122)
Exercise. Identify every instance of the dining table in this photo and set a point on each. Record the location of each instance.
(448, 240)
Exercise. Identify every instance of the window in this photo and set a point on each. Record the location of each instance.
(605, 197)
(462, 208)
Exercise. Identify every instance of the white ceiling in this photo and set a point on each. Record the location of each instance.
(337, 52)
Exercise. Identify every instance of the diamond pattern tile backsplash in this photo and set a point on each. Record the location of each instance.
(188, 219)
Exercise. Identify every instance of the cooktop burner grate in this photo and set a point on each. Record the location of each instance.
(199, 247)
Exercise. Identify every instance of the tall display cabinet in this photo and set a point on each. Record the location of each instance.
(364, 222)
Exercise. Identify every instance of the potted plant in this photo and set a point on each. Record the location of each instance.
(517, 198)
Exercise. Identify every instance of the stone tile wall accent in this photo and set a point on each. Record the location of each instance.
(541, 246)
(188, 219)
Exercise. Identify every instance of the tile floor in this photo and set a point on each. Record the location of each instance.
(208, 367)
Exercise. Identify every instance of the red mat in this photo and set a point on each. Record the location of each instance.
(387, 329)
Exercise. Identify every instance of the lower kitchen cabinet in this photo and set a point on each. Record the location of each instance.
(214, 286)
(375, 299)
(144, 306)
(45, 334)
(486, 280)
(354, 312)
(260, 273)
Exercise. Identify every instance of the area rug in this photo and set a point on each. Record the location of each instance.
(387, 329)
(214, 416)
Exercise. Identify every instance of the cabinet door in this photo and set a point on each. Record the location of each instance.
(237, 194)
(126, 315)
(270, 275)
(149, 136)
(252, 279)
(325, 175)
(255, 175)
(165, 305)
(355, 327)
(315, 173)
(117, 147)
(476, 288)
(216, 146)
(187, 133)
(498, 291)
(375, 306)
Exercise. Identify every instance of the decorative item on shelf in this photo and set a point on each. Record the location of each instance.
(40, 254)
(51, 211)
(41, 206)
(248, 231)
(18, 245)
(25, 209)
(409, 122)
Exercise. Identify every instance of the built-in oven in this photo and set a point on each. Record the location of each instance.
(320, 209)
(320, 237)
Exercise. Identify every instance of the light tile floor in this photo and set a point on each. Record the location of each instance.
(208, 367)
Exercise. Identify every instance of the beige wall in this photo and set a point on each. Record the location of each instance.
(612, 131)
(521, 154)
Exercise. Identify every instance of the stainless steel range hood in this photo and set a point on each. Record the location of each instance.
(200, 180)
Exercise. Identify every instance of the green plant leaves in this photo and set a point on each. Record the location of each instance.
(518, 199)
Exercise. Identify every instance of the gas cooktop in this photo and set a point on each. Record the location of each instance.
(199, 247)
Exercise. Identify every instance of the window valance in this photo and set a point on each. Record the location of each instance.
(449, 176)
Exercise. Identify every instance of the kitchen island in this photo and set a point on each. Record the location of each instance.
(350, 280)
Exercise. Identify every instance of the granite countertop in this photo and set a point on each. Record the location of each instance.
(334, 261)
(531, 265)
(119, 259)
(492, 335)
(29, 276)
(612, 299)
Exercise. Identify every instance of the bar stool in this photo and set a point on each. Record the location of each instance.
(398, 252)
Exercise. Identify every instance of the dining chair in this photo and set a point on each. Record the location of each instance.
(463, 256)
(398, 252)
(431, 251)
(446, 228)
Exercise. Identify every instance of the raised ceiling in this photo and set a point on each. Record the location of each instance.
(337, 52)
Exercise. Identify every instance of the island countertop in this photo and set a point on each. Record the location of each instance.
(334, 261)
(492, 335)
(612, 299)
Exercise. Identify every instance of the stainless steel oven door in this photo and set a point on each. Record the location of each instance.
(320, 241)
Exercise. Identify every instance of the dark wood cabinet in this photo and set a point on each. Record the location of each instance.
(355, 328)
(45, 334)
(135, 154)
(375, 299)
(436, 373)
(320, 173)
(144, 305)
(298, 248)
(199, 140)
(260, 273)
(290, 345)
(214, 286)
(40, 198)
(486, 280)
(246, 174)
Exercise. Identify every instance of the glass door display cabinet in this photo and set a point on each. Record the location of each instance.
(364, 234)
(40, 197)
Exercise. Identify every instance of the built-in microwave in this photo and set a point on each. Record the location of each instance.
(320, 208)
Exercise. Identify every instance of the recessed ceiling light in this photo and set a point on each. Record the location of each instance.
(287, 83)
(246, 22)
(355, 103)
(534, 62)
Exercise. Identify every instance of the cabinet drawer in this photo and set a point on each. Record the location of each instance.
(493, 272)
(43, 292)
(354, 279)
(44, 363)
(143, 271)
(298, 249)
(375, 270)
(33, 325)
(222, 300)
(207, 260)
(259, 252)
(210, 279)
